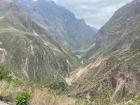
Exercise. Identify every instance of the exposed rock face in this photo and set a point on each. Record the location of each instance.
(117, 76)
(123, 26)
(2, 103)
(136, 45)
(3, 54)
(61, 23)
(26, 47)
(119, 32)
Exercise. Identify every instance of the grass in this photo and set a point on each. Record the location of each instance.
(39, 95)
(19, 45)
(12, 30)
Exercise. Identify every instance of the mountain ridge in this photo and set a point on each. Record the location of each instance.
(30, 51)
(62, 24)
(116, 46)
(110, 70)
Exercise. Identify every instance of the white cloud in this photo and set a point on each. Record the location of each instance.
(95, 12)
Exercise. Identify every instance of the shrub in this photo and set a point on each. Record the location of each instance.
(23, 98)
(4, 72)
(58, 86)
(135, 45)
(88, 103)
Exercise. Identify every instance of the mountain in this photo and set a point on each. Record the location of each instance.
(110, 74)
(120, 31)
(112, 71)
(25, 46)
(124, 25)
(61, 23)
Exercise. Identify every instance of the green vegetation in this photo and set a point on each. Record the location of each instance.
(12, 30)
(135, 45)
(23, 98)
(59, 87)
(35, 56)
(4, 72)
(20, 92)
(134, 101)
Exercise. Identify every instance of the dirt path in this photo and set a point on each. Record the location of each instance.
(2, 103)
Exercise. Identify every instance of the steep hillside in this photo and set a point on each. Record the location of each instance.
(26, 46)
(124, 25)
(121, 30)
(112, 71)
(14, 92)
(61, 23)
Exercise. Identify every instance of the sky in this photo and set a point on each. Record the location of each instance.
(95, 12)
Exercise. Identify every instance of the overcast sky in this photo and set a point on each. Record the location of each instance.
(95, 12)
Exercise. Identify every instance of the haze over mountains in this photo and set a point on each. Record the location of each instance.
(36, 43)
(61, 24)
(114, 62)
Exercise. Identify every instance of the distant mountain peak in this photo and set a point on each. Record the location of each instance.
(62, 24)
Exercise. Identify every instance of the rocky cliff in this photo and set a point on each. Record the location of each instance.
(62, 24)
(26, 47)
(112, 71)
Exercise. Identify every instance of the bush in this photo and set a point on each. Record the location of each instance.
(135, 45)
(58, 86)
(4, 72)
(23, 98)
